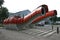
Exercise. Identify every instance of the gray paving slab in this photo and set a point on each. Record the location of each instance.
(17, 35)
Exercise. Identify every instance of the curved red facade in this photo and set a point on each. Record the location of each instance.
(48, 14)
(6, 21)
(29, 16)
(14, 20)
(37, 11)
(45, 7)
(36, 16)
(19, 20)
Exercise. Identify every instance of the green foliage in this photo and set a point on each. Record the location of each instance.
(4, 13)
(58, 18)
(1, 2)
(53, 19)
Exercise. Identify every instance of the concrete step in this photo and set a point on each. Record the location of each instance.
(32, 31)
(46, 34)
(49, 34)
(38, 33)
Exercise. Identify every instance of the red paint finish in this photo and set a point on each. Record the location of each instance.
(6, 21)
(48, 14)
(29, 16)
(37, 11)
(13, 21)
(20, 20)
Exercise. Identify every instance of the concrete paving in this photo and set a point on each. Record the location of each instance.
(40, 33)
(13, 35)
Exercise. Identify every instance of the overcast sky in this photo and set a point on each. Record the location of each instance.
(19, 5)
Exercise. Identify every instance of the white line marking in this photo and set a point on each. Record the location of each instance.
(50, 33)
(44, 33)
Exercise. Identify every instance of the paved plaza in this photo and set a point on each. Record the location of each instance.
(39, 33)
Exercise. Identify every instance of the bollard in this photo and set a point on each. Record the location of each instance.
(57, 30)
(52, 27)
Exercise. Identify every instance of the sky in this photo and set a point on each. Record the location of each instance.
(20, 5)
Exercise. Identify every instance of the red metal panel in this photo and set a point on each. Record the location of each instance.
(37, 11)
(6, 21)
(20, 20)
(50, 13)
(28, 17)
(15, 19)
(12, 20)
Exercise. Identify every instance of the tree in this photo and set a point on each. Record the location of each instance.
(4, 14)
(58, 18)
(1, 2)
(53, 19)
(3, 11)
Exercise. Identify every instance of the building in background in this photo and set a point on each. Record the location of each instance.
(20, 13)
